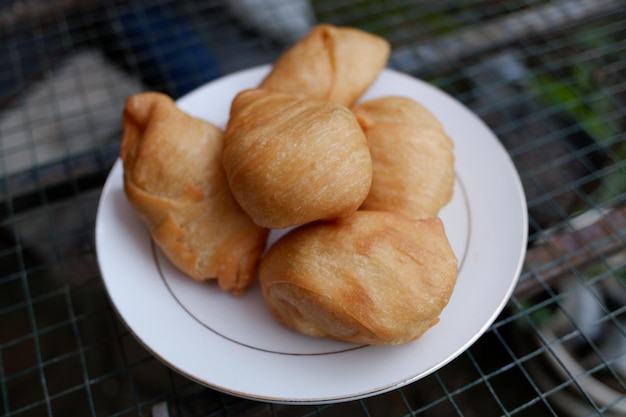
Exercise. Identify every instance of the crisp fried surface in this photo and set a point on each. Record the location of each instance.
(412, 157)
(174, 179)
(330, 63)
(290, 161)
(374, 277)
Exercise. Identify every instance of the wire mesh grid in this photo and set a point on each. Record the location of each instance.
(547, 76)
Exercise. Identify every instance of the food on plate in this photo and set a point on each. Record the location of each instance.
(290, 161)
(366, 259)
(412, 157)
(175, 181)
(330, 63)
(374, 277)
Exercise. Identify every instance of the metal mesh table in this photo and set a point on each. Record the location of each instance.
(549, 77)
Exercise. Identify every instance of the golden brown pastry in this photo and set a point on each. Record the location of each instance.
(174, 179)
(330, 63)
(373, 277)
(412, 157)
(291, 161)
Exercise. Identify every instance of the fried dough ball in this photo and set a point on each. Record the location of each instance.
(174, 179)
(330, 63)
(291, 161)
(373, 277)
(412, 157)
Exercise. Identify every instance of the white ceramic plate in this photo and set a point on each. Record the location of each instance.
(234, 345)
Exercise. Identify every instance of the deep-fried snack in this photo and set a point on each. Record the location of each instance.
(330, 63)
(291, 161)
(412, 157)
(373, 277)
(175, 181)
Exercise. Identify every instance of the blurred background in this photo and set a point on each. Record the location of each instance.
(548, 76)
